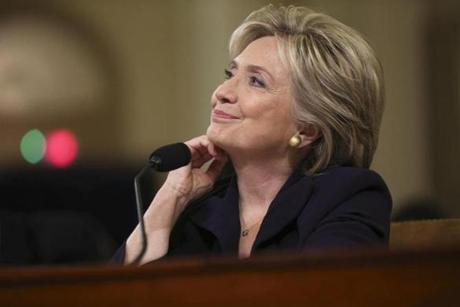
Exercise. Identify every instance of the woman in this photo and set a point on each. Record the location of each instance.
(298, 116)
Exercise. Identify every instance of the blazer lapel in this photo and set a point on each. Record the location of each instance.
(220, 216)
(286, 207)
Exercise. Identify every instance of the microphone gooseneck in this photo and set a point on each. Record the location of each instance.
(164, 159)
(140, 215)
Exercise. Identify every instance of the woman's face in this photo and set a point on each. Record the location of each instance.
(251, 108)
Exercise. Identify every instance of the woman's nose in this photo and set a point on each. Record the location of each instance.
(226, 92)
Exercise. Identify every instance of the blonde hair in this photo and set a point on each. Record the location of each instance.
(336, 80)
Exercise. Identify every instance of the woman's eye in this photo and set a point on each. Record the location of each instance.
(256, 81)
(228, 74)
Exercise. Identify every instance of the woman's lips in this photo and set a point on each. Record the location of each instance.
(223, 115)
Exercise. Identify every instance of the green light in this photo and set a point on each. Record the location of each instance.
(32, 146)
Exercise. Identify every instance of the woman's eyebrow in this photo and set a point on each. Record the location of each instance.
(257, 68)
(252, 68)
(233, 64)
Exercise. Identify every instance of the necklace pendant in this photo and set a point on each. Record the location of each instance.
(244, 233)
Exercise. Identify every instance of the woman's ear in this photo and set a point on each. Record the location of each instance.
(308, 135)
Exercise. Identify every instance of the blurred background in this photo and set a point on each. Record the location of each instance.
(100, 83)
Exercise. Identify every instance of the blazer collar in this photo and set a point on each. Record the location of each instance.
(220, 215)
(286, 207)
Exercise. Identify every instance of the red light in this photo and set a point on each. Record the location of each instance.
(61, 148)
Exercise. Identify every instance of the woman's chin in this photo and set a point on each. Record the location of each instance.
(214, 136)
(218, 137)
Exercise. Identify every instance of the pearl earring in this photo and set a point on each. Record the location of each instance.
(294, 141)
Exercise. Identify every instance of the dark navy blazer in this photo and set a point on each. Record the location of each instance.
(338, 208)
(341, 207)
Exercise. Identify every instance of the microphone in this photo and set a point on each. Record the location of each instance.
(164, 159)
(170, 157)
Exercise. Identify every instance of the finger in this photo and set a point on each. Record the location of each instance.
(192, 143)
(220, 153)
(198, 144)
(216, 167)
(194, 146)
(212, 149)
(201, 155)
(201, 150)
(199, 161)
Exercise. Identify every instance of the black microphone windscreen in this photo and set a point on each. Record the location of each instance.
(170, 157)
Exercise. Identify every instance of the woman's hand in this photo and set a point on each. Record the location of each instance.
(195, 179)
(181, 186)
